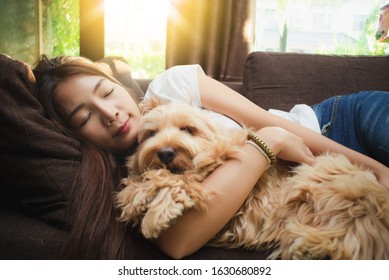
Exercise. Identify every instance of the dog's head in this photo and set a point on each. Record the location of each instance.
(170, 136)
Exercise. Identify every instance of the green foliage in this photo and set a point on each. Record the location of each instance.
(148, 64)
(18, 29)
(366, 43)
(61, 27)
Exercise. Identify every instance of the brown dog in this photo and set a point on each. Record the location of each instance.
(333, 209)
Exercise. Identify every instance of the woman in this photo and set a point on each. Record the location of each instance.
(92, 106)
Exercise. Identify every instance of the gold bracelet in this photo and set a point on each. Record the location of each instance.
(251, 142)
(259, 142)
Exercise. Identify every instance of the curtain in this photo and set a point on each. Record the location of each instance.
(214, 34)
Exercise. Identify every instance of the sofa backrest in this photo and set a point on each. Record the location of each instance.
(281, 80)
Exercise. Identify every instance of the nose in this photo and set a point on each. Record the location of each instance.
(109, 114)
(166, 154)
(109, 119)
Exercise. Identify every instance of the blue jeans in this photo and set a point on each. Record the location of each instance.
(359, 121)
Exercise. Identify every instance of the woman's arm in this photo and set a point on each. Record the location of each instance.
(220, 98)
(231, 182)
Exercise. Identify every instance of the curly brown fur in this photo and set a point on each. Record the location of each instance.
(333, 209)
(189, 134)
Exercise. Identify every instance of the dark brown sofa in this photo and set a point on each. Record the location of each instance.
(38, 162)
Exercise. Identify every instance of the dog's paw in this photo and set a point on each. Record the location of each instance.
(132, 201)
(166, 207)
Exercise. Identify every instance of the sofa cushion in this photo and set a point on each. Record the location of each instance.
(38, 162)
(26, 238)
(280, 80)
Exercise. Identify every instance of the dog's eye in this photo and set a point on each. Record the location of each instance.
(145, 134)
(151, 133)
(187, 129)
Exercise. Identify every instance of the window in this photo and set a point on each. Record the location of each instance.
(137, 32)
(318, 26)
(321, 21)
(30, 28)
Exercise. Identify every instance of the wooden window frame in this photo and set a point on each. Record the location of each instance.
(92, 29)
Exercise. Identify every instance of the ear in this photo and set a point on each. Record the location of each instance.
(148, 104)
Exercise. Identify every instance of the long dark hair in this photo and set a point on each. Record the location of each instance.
(94, 230)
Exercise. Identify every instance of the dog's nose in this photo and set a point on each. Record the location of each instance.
(166, 154)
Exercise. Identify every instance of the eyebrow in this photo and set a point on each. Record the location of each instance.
(98, 84)
(78, 108)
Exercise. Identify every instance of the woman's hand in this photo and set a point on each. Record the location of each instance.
(286, 145)
(383, 176)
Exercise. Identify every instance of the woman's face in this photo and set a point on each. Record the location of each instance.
(99, 111)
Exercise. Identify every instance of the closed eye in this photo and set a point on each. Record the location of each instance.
(84, 121)
(144, 135)
(108, 93)
(151, 133)
(188, 129)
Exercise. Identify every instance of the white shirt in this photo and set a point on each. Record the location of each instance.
(179, 84)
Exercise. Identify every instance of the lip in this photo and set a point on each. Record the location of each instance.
(123, 128)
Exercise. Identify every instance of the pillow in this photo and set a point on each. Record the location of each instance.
(119, 68)
(38, 162)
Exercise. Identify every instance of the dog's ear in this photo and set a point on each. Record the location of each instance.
(148, 104)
